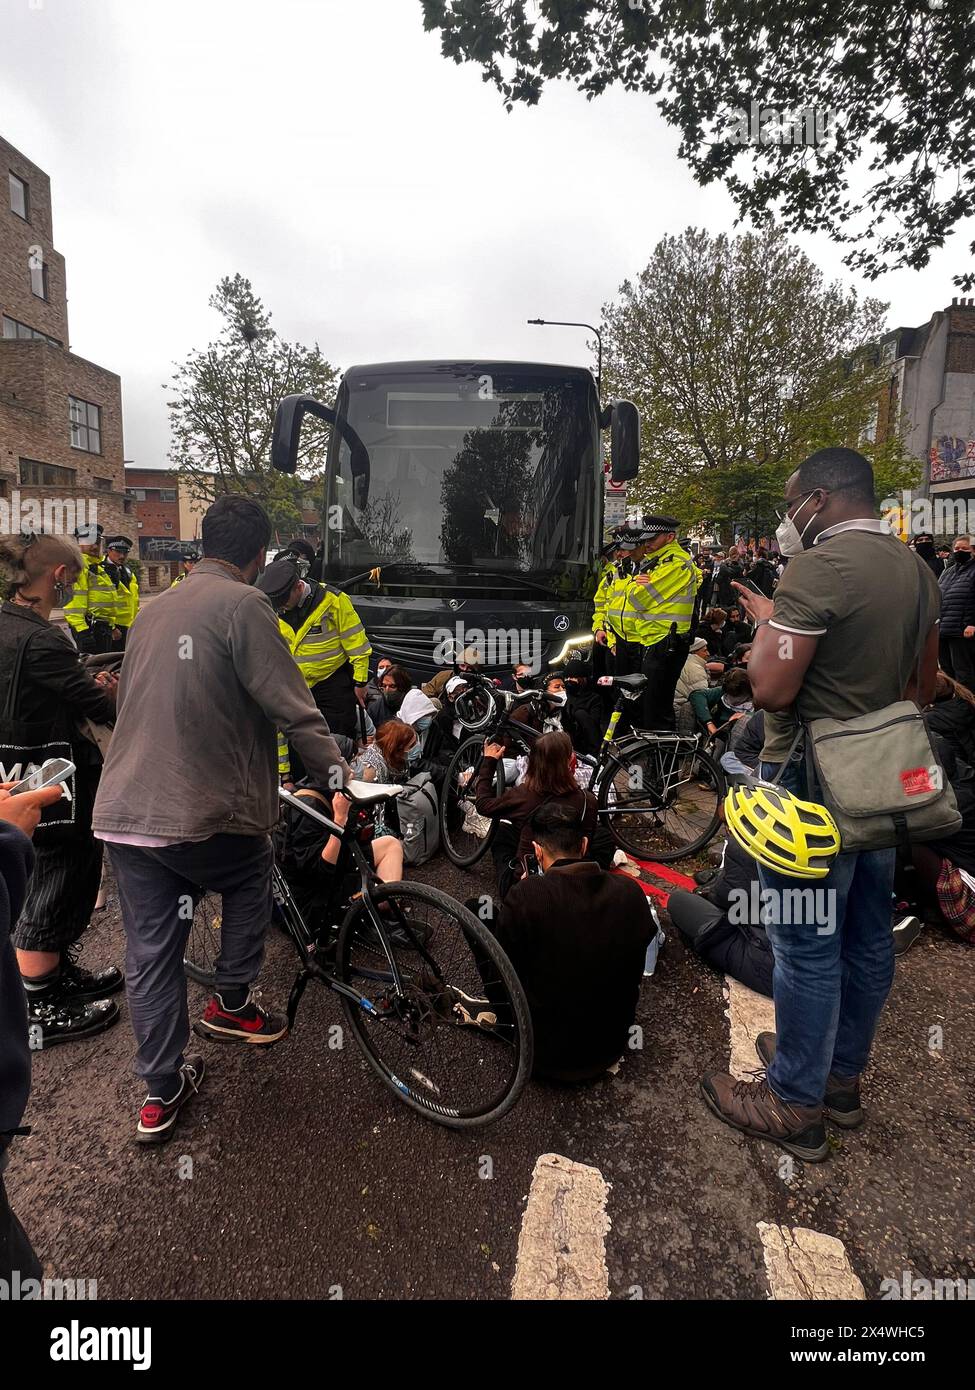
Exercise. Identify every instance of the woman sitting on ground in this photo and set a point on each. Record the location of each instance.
(952, 715)
(395, 684)
(550, 776)
(392, 757)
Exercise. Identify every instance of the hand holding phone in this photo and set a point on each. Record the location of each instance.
(49, 774)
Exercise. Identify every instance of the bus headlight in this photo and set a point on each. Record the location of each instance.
(570, 645)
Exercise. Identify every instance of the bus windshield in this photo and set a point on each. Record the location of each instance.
(466, 468)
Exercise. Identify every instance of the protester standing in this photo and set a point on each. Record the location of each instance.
(44, 694)
(840, 639)
(207, 681)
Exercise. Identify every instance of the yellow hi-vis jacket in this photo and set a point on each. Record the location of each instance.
(661, 594)
(331, 635)
(601, 598)
(94, 598)
(126, 600)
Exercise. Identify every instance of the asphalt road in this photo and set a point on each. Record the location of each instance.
(306, 1179)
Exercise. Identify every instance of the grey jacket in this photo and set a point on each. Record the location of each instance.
(206, 681)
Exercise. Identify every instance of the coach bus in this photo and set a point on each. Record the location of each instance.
(464, 504)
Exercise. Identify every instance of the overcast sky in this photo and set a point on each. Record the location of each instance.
(379, 197)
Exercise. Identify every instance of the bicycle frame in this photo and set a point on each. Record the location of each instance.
(304, 941)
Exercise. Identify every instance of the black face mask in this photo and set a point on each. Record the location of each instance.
(394, 698)
(962, 557)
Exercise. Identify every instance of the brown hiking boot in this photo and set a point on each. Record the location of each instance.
(842, 1100)
(755, 1109)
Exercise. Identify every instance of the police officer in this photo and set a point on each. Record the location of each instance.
(189, 556)
(602, 647)
(126, 587)
(655, 614)
(329, 643)
(91, 611)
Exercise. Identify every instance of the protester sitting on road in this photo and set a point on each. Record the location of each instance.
(550, 776)
(46, 693)
(394, 687)
(203, 823)
(945, 868)
(584, 720)
(307, 852)
(694, 676)
(521, 678)
(19, 816)
(470, 660)
(577, 938)
(445, 732)
(419, 711)
(952, 715)
(712, 628)
(718, 707)
(736, 632)
(392, 757)
(374, 685)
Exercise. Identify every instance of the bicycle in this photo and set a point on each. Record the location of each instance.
(409, 963)
(659, 793)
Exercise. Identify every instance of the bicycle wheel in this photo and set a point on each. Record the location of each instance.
(660, 802)
(423, 1042)
(465, 835)
(203, 943)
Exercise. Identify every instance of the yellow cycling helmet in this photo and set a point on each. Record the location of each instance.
(794, 837)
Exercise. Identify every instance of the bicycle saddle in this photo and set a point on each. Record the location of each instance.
(634, 682)
(364, 793)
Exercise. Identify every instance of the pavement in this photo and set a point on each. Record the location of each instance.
(295, 1174)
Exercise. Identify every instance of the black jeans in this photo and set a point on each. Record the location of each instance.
(957, 656)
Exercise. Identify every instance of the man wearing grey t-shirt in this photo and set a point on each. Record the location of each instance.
(837, 641)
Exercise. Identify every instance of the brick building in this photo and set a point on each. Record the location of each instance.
(61, 455)
(155, 495)
(930, 398)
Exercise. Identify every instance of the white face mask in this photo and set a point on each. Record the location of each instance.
(556, 698)
(788, 535)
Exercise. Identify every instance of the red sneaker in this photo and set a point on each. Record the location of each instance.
(250, 1023)
(157, 1118)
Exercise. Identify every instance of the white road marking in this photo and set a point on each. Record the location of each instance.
(804, 1264)
(749, 1014)
(562, 1245)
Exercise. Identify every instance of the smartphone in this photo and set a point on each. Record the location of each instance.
(54, 770)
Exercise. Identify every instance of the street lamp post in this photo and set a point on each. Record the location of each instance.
(571, 323)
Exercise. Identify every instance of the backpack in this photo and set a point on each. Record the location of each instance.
(417, 810)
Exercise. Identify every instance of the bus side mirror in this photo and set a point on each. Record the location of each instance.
(286, 439)
(624, 448)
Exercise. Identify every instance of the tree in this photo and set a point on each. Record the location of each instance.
(742, 361)
(888, 87)
(222, 414)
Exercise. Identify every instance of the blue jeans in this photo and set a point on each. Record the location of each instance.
(833, 970)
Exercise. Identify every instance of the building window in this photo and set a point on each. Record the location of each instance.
(167, 494)
(102, 484)
(86, 425)
(19, 197)
(3, 487)
(46, 474)
(38, 276)
(13, 328)
(138, 494)
(127, 506)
